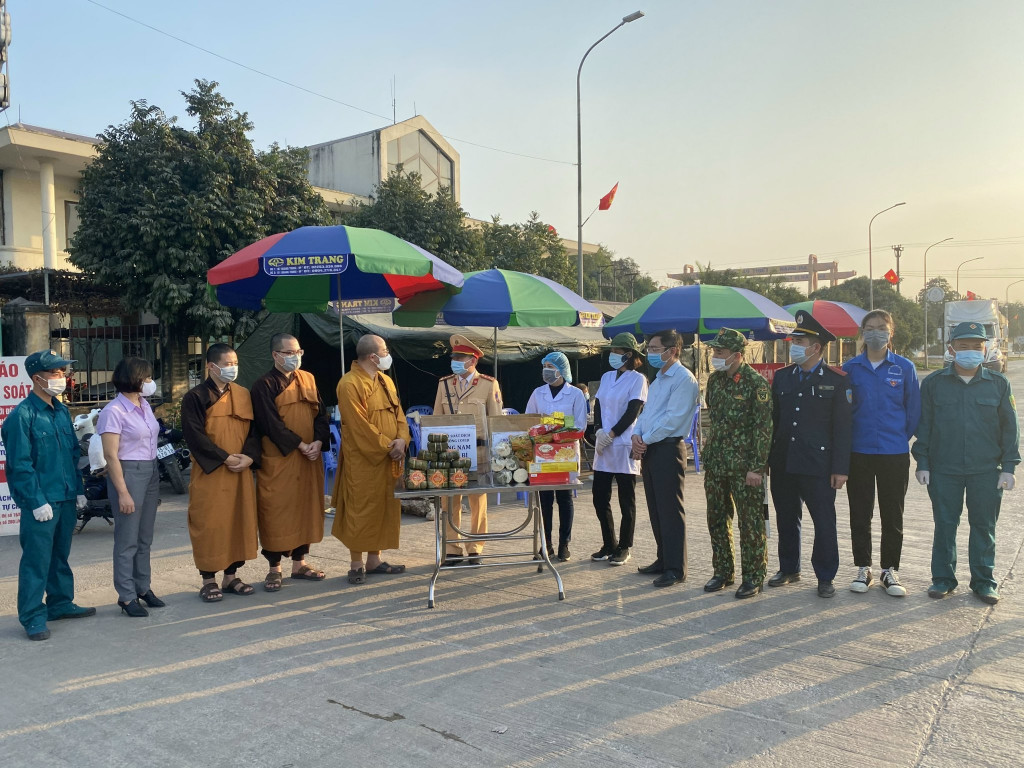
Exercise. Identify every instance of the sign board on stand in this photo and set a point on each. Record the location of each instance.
(15, 386)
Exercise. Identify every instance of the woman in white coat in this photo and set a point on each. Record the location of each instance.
(620, 398)
(557, 395)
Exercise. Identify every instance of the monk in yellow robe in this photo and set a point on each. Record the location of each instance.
(217, 421)
(290, 481)
(374, 434)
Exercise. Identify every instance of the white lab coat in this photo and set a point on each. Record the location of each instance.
(614, 394)
(570, 399)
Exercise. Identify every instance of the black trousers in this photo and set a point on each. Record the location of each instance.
(274, 558)
(789, 493)
(891, 474)
(566, 510)
(227, 571)
(663, 468)
(627, 505)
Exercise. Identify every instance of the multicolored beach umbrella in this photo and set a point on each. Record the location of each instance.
(703, 309)
(839, 318)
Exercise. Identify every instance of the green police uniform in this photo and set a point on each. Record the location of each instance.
(42, 468)
(968, 434)
(740, 408)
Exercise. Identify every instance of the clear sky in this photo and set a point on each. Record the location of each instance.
(741, 132)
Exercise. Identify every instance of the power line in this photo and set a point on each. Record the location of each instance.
(311, 92)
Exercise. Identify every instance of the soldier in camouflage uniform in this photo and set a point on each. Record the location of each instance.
(735, 456)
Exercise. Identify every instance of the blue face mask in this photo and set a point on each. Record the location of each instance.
(969, 359)
(654, 358)
(797, 354)
(616, 361)
(458, 367)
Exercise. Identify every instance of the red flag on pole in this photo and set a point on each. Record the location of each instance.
(606, 201)
(892, 277)
(971, 296)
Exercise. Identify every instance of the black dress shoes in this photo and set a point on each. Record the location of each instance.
(133, 609)
(473, 560)
(826, 589)
(654, 567)
(450, 560)
(747, 589)
(666, 579)
(717, 584)
(781, 578)
(152, 600)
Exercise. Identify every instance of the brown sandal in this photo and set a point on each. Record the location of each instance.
(210, 592)
(238, 587)
(309, 574)
(273, 581)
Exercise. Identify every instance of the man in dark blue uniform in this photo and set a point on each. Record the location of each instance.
(810, 455)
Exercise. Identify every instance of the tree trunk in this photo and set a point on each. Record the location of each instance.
(174, 354)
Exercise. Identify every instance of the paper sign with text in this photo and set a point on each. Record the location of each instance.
(461, 436)
(15, 386)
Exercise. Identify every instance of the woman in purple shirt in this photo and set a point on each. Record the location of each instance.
(129, 431)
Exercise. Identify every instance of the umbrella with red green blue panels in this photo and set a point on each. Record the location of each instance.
(839, 318)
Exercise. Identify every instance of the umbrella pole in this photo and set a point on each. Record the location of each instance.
(496, 356)
(341, 328)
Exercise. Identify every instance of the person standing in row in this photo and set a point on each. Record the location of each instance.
(468, 391)
(293, 423)
(620, 398)
(735, 462)
(42, 475)
(810, 455)
(886, 409)
(657, 440)
(129, 432)
(217, 421)
(968, 442)
(557, 395)
(374, 436)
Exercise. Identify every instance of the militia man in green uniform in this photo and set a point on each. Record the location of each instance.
(468, 391)
(735, 455)
(967, 443)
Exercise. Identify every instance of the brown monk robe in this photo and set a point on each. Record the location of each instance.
(374, 434)
(217, 421)
(290, 480)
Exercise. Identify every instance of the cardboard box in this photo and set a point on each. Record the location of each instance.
(552, 478)
(555, 452)
(553, 466)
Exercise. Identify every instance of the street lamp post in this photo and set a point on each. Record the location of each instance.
(1009, 346)
(871, 270)
(926, 299)
(579, 154)
(976, 258)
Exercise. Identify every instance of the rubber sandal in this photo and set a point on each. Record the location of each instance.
(356, 576)
(238, 587)
(386, 568)
(309, 574)
(273, 581)
(210, 593)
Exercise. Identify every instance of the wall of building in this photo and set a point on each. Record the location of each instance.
(347, 165)
(23, 220)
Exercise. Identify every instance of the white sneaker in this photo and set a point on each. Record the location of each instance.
(891, 581)
(863, 580)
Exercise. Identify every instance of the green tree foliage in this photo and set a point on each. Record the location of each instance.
(770, 286)
(532, 246)
(907, 315)
(161, 204)
(609, 279)
(435, 222)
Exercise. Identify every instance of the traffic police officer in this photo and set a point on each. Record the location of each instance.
(42, 474)
(735, 460)
(470, 392)
(810, 455)
(967, 442)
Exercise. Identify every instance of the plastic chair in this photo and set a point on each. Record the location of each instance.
(510, 411)
(422, 410)
(693, 438)
(414, 431)
(330, 457)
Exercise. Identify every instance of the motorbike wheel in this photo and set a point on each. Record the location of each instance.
(174, 476)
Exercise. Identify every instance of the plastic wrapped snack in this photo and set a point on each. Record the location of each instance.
(504, 477)
(416, 480)
(437, 478)
(458, 478)
(503, 449)
(520, 475)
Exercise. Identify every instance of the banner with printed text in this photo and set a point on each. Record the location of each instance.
(15, 386)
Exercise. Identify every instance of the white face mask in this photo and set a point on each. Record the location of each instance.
(291, 363)
(383, 363)
(148, 388)
(719, 363)
(228, 372)
(55, 387)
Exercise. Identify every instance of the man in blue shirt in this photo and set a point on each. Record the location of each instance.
(42, 473)
(658, 437)
(967, 443)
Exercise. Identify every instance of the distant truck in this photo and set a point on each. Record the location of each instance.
(984, 312)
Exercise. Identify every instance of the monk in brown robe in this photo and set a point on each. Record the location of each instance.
(217, 419)
(293, 424)
(374, 434)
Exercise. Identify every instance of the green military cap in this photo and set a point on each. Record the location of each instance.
(625, 340)
(728, 338)
(968, 330)
(45, 360)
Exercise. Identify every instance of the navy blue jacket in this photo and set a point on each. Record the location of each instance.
(811, 422)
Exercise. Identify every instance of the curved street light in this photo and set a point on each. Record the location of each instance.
(579, 153)
(871, 271)
(976, 258)
(926, 299)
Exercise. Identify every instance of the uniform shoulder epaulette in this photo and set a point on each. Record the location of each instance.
(840, 371)
(449, 376)
(485, 376)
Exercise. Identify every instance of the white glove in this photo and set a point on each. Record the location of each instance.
(1006, 481)
(604, 440)
(81, 502)
(923, 476)
(43, 513)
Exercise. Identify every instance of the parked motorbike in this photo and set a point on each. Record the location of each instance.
(173, 456)
(93, 480)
